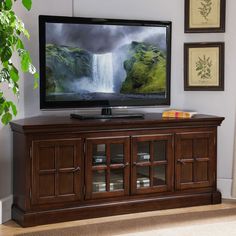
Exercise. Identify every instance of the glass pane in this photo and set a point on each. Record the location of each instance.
(143, 179)
(99, 181)
(99, 154)
(159, 150)
(143, 152)
(117, 153)
(159, 175)
(117, 179)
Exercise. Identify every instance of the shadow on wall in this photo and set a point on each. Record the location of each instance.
(5, 161)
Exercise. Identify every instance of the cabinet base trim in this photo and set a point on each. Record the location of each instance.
(113, 208)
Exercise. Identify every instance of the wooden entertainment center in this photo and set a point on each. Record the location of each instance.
(67, 169)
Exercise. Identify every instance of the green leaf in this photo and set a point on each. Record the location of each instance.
(2, 40)
(6, 54)
(36, 75)
(14, 74)
(13, 108)
(12, 15)
(18, 32)
(2, 102)
(26, 33)
(5, 64)
(19, 44)
(11, 28)
(1, 109)
(25, 62)
(27, 4)
(6, 106)
(6, 118)
(8, 4)
(12, 40)
(2, 99)
(15, 90)
(36, 84)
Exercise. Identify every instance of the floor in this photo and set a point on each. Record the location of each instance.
(11, 228)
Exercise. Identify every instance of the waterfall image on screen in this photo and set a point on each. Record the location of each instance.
(84, 62)
(103, 73)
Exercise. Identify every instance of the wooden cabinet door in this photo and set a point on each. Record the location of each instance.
(107, 167)
(152, 164)
(195, 160)
(57, 171)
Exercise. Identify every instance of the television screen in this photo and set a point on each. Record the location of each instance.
(88, 62)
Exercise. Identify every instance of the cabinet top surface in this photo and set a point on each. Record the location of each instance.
(149, 119)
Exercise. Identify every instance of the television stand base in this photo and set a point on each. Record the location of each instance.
(106, 113)
(113, 116)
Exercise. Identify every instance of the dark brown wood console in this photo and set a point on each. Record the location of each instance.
(67, 169)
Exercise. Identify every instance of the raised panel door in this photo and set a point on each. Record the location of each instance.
(195, 160)
(57, 171)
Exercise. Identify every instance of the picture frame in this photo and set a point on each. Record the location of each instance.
(204, 66)
(205, 16)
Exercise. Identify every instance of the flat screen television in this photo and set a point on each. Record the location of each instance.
(87, 62)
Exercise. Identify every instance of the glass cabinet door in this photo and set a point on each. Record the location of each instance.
(152, 163)
(109, 167)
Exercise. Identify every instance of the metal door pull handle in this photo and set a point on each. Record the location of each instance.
(77, 169)
(181, 161)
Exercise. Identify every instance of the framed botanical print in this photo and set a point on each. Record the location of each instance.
(204, 66)
(205, 16)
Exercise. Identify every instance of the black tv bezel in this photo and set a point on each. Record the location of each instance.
(43, 19)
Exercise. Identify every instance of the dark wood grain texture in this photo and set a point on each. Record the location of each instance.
(54, 166)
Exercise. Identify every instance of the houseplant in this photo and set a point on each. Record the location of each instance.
(11, 30)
